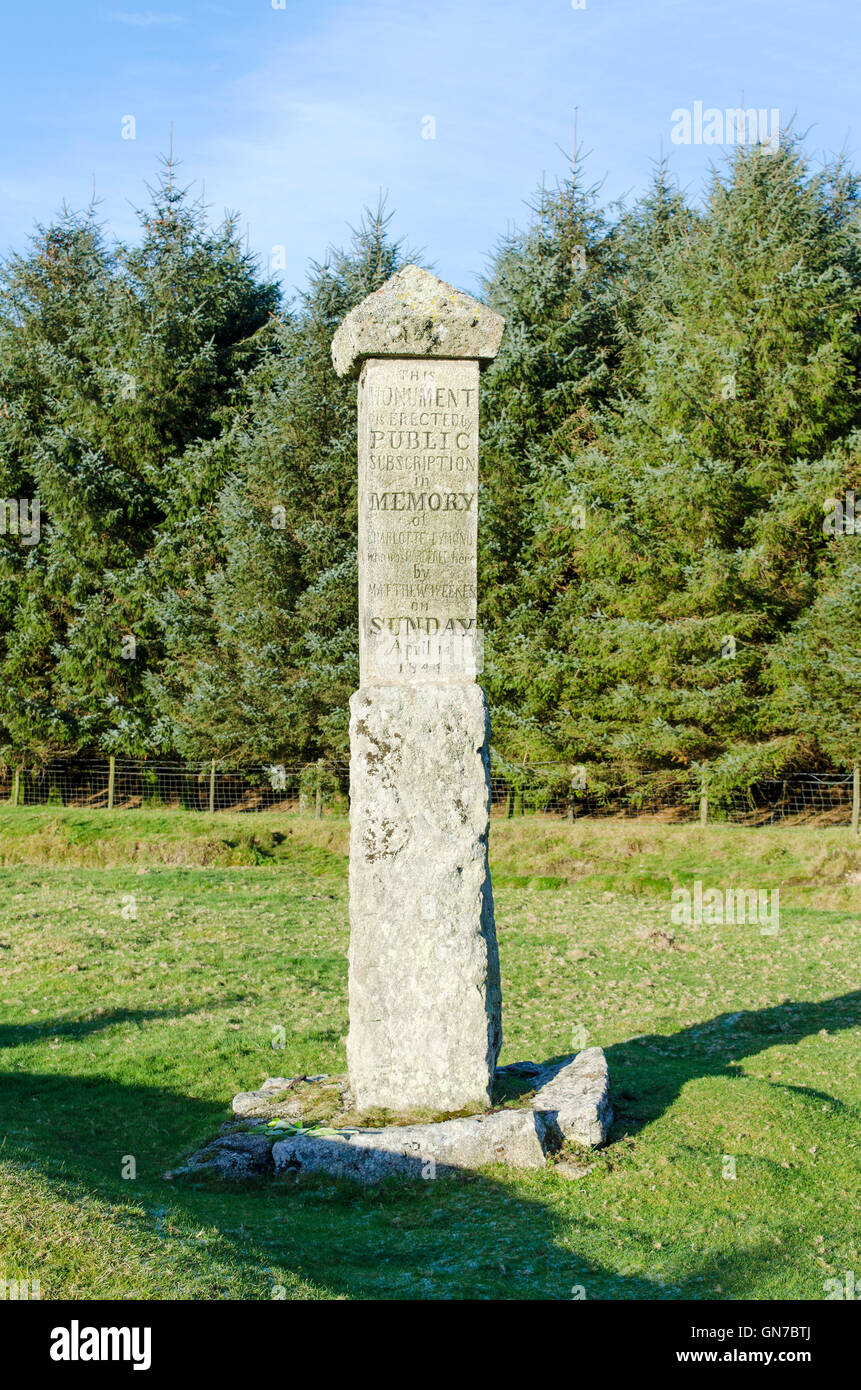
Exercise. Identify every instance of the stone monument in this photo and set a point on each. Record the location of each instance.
(425, 1002)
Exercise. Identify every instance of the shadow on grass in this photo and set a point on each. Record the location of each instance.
(463, 1236)
(24, 1034)
(647, 1073)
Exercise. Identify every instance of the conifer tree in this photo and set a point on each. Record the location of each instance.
(265, 643)
(114, 363)
(641, 636)
(815, 667)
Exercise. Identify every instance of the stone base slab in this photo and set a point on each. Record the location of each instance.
(512, 1137)
(574, 1100)
(570, 1105)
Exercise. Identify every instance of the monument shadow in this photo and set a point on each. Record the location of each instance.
(75, 1130)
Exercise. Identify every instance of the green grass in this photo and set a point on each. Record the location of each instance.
(127, 1036)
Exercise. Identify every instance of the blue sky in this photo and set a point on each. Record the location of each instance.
(297, 116)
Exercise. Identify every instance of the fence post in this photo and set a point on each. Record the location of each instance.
(112, 767)
(856, 797)
(704, 800)
(318, 794)
(212, 786)
(16, 786)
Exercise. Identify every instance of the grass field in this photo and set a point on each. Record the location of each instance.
(147, 958)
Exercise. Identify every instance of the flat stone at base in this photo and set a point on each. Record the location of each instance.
(571, 1104)
(574, 1100)
(512, 1137)
(282, 1098)
(257, 1104)
(572, 1170)
(234, 1156)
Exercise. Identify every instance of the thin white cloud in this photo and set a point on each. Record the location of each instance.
(143, 19)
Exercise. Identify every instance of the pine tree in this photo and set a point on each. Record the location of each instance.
(815, 667)
(640, 637)
(265, 644)
(115, 362)
(553, 285)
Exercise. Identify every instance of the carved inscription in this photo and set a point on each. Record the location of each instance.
(418, 504)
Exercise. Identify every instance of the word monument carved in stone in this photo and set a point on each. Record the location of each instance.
(425, 1002)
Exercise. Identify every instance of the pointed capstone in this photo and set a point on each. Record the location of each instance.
(414, 314)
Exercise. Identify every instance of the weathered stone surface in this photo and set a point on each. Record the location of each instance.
(573, 1100)
(570, 1103)
(417, 513)
(282, 1098)
(234, 1156)
(259, 1103)
(425, 1025)
(414, 314)
(424, 976)
(512, 1137)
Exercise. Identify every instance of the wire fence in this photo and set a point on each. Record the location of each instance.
(815, 798)
(322, 789)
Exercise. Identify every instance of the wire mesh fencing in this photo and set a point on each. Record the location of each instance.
(322, 789)
(124, 784)
(805, 798)
(812, 798)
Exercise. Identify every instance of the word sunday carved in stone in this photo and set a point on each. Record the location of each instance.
(418, 494)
